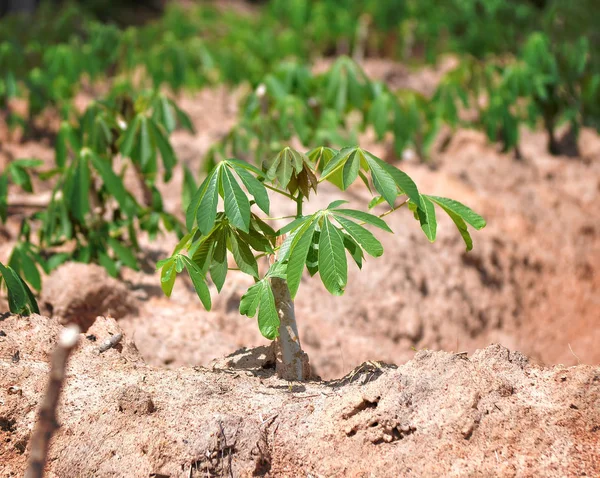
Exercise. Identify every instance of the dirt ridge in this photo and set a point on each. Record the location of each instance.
(440, 414)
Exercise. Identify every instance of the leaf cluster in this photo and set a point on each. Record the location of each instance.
(92, 215)
(320, 242)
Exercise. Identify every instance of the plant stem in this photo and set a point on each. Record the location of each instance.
(291, 361)
(279, 191)
(395, 208)
(299, 204)
(277, 218)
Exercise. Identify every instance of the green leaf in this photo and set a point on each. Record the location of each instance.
(167, 276)
(460, 210)
(243, 255)
(113, 183)
(189, 186)
(259, 297)
(199, 281)
(20, 176)
(427, 219)
(56, 260)
(350, 171)
(251, 299)
(145, 146)
(3, 197)
(292, 226)
(182, 117)
(167, 118)
(285, 164)
(403, 181)
(354, 249)
(61, 147)
(362, 236)
(20, 298)
(336, 204)
(268, 318)
(30, 271)
(365, 217)
(312, 259)
(333, 267)
(461, 226)
(202, 254)
(297, 255)
(382, 180)
(255, 188)
(127, 141)
(256, 240)
(166, 150)
(376, 201)
(337, 162)
(219, 267)
(123, 253)
(209, 199)
(237, 206)
(79, 200)
(110, 265)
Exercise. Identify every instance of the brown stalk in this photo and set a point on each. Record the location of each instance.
(47, 423)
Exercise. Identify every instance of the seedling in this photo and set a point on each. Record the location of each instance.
(318, 242)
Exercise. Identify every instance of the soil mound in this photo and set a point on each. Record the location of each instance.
(441, 414)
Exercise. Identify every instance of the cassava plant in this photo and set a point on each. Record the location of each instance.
(319, 241)
(91, 215)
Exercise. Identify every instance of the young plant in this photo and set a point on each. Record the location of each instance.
(92, 216)
(318, 242)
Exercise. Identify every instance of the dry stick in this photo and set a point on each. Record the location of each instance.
(47, 424)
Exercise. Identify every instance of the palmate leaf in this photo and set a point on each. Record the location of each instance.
(333, 267)
(260, 298)
(343, 169)
(221, 181)
(287, 162)
(292, 170)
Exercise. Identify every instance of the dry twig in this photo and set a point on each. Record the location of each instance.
(47, 424)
